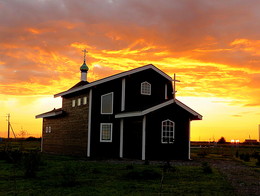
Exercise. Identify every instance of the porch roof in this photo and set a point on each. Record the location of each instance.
(196, 115)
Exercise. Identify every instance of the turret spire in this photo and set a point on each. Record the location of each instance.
(84, 68)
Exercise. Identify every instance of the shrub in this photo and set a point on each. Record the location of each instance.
(258, 161)
(146, 174)
(31, 164)
(237, 154)
(203, 153)
(255, 155)
(168, 167)
(247, 157)
(3, 155)
(129, 167)
(146, 162)
(13, 156)
(69, 175)
(206, 168)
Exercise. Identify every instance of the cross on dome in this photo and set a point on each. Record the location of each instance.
(84, 51)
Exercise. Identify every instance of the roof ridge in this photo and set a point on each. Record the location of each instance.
(112, 77)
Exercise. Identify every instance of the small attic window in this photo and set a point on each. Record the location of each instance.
(85, 100)
(79, 101)
(73, 103)
(145, 88)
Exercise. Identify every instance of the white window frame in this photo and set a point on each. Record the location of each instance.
(146, 88)
(101, 132)
(85, 100)
(79, 101)
(166, 129)
(73, 103)
(112, 104)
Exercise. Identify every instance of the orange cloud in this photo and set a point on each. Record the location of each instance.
(252, 46)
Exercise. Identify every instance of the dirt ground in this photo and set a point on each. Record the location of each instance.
(244, 179)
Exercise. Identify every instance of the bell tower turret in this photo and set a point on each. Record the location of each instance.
(84, 68)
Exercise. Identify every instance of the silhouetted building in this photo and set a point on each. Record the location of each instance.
(132, 114)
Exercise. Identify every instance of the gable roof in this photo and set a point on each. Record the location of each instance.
(81, 83)
(113, 77)
(196, 115)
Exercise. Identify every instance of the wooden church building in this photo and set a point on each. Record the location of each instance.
(133, 115)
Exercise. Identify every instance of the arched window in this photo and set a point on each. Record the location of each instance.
(145, 88)
(168, 131)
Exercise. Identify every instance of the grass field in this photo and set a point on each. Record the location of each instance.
(63, 175)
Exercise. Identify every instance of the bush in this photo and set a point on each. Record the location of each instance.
(237, 154)
(3, 155)
(31, 164)
(245, 157)
(14, 156)
(258, 161)
(69, 175)
(255, 155)
(206, 168)
(146, 174)
(167, 167)
(203, 153)
(129, 167)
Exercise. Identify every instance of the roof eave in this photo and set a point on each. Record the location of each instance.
(49, 114)
(195, 114)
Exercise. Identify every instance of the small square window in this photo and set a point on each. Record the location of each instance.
(73, 103)
(85, 100)
(106, 132)
(79, 101)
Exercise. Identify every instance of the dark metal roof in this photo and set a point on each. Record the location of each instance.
(195, 115)
(81, 83)
(52, 113)
(116, 76)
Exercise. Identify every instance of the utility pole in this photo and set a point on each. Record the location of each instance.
(259, 133)
(8, 126)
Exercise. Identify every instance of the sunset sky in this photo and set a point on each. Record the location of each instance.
(212, 46)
